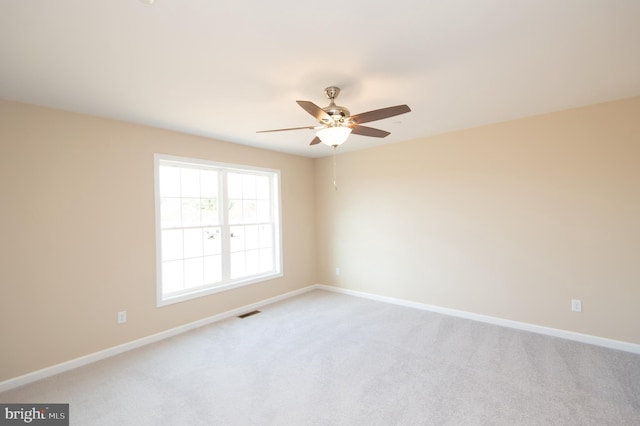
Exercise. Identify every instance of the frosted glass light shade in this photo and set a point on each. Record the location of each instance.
(334, 136)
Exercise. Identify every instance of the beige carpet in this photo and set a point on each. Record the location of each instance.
(330, 359)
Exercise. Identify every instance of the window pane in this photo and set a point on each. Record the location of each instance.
(252, 237)
(172, 244)
(209, 184)
(193, 273)
(252, 261)
(212, 269)
(248, 186)
(234, 185)
(235, 211)
(193, 242)
(190, 212)
(266, 260)
(212, 241)
(266, 236)
(237, 238)
(250, 211)
(264, 211)
(172, 276)
(209, 211)
(237, 265)
(190, 182)
(169, 181)
(262, 188)
(170, 213)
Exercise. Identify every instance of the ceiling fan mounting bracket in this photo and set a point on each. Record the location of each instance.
(332, 92)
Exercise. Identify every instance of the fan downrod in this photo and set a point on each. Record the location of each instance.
(338, 113)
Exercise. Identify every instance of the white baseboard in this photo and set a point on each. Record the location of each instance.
(97, 356)
(564, 334)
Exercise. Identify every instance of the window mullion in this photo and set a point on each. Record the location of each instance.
(225, 228)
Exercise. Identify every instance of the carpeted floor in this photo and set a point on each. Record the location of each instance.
(329, 359)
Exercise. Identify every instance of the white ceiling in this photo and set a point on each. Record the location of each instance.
(225, 69)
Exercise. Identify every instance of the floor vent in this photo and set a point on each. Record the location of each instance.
(248, 314)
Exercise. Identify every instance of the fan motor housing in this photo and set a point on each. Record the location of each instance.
(336, 111)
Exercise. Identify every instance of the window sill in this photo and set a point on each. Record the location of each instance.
(169, 300)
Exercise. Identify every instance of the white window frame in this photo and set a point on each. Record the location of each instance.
(227, 283)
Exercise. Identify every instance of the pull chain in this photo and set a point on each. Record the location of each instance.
(335, 182)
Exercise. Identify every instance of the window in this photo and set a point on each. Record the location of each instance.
(217, 227)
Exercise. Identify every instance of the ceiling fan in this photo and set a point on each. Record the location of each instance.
(336, 122)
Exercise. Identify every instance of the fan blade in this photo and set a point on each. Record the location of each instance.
(283, 130)
(315, 141)
(314, 110)
(368, 131)
(379, 114)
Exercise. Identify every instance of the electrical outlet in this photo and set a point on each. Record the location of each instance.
(122, 317)
(576, 305)
(337, 271)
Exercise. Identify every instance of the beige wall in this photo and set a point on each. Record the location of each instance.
(78, 239)
(511, 220)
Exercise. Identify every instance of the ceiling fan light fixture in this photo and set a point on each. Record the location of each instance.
(333, 136)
